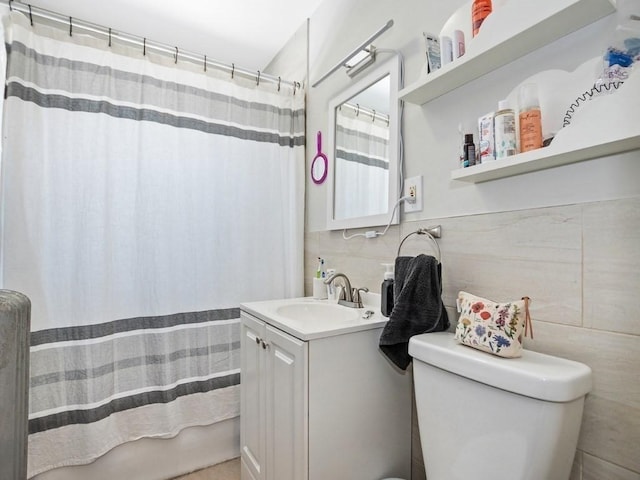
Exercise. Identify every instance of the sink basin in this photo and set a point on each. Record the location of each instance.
(307, 311)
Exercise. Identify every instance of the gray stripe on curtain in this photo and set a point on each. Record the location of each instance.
(362, 159)
(351, 137)
(118, 326)
(155, 363)
(140, 360)
(71, 417)
(92, 79)
(100, 106)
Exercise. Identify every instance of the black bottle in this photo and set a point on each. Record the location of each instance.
(386, 292)
(469, 149)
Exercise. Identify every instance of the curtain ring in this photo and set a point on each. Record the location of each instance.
(205, 63)
(258, 78)
(373, 117)
(279, 80)
(109, 36)
(357, 110)
(10, 7)
(30, 15)
(144, 46)
(233, 69)
(295, 84)
(176, 56)
(70, 27)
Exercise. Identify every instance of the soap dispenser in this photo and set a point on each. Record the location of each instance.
(386, 302)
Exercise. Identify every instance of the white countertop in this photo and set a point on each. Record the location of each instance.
(314, 328)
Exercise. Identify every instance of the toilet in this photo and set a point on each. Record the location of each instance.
(482, 416)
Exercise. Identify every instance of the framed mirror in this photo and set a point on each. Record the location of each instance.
(363, 150)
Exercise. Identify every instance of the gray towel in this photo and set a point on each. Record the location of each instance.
(417, 306)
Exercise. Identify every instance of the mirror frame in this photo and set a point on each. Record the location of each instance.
(389, 67)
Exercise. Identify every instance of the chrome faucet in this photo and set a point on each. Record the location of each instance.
(349, 297)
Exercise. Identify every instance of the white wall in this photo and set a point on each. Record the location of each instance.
(431, 131)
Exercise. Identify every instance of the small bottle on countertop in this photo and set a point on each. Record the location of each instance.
(386, 291)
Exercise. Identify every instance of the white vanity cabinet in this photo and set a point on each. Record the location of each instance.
(272, 402)
(325, 406)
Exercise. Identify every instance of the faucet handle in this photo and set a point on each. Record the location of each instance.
(357, 296)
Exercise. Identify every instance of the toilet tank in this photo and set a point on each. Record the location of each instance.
(482, 416)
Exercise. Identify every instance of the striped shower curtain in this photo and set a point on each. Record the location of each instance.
(142, 200)
(362, 164)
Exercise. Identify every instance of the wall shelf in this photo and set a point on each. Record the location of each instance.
(606, 125)
(543, 158)
(517, 28)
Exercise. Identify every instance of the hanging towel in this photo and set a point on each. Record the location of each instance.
(417, 306)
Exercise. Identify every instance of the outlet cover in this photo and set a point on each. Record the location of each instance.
(413, 184)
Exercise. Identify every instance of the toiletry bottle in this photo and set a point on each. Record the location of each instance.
(505, 130)
(530, 118)
(458, 44)
(479, 11)
(386, 292)
(446, 50)
(486, 138)
(469, 150)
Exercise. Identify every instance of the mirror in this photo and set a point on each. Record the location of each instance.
(320, 163)
(364, 150)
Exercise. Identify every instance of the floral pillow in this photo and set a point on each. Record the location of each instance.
(496, 328)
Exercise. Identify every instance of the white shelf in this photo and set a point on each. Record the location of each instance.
(517, 28)
(543, 158)
(604, 126)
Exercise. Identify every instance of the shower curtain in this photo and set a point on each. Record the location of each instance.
(362, 164)
(142, 201)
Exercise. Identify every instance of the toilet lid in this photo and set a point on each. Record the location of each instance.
(534, 375)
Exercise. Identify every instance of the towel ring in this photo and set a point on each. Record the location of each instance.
(432, 233)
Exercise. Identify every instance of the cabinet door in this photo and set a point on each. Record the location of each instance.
(252, 395)
(287, 439)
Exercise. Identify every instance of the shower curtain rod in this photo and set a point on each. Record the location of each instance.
(358, 109)
(146, 45)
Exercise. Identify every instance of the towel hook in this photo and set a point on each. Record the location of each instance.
(432, 233)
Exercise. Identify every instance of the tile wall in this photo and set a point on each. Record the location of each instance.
(580, 264)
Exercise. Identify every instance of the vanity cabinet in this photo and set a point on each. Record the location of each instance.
(328, 407)
(272, 402)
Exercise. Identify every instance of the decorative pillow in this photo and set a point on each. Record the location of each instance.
(493, 327)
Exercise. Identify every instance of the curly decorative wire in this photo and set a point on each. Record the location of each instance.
(588, 95)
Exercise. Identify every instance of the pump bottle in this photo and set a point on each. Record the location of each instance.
(386, 303)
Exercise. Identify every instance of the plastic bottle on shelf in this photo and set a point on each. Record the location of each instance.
(469, 150)
(505, 130)
(530, 118)
(386, 291)
(479, 11)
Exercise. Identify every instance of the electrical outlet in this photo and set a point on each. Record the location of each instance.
(413, 188)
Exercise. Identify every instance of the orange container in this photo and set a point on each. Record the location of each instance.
(479, 11)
